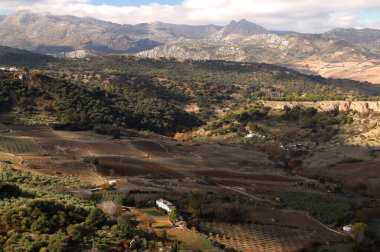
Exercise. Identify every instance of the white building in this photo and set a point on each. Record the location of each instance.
(165, 205)
(254, 134)
(347, 228)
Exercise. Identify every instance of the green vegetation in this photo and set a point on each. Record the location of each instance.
(276, 126)
(77, 108)
(114, 92)
(212, 81)
(43, 213)
(21, 58)
(325, 209)
(174, 216)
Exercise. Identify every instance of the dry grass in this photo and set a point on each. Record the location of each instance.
(361, 71)
(191, 240)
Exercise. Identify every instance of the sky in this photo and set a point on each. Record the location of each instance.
(308, 16)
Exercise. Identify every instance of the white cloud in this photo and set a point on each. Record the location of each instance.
(299, 15)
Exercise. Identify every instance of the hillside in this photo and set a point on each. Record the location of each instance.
(15, 57)
(367, 38)
(40, 99)
(307, 53)
(340, 53)
(154, 94)
(206, 87)
(45, 33)
(231, 144)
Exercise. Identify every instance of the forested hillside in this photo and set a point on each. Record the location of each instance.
(147, 94)
(76, 107)
(21, 58)
(206, 86)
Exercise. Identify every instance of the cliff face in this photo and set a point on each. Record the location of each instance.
(360, 106)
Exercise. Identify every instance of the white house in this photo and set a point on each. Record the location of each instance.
(165, 205)
(347, 228)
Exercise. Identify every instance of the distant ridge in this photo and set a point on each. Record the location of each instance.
(368, 38)
(339, 53)
(46, 33)
(16, 57)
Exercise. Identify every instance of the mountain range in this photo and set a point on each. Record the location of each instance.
(339, 53)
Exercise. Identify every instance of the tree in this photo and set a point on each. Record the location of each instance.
(173, 216)
(360, 230)
(95, 161)
(9, 191)
(59, 242)
(95, 218)
(310, 111)
(126, 225)
(111, 208)
(174, 248)
(76, 231)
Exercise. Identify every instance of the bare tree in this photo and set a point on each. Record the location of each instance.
(110, 207)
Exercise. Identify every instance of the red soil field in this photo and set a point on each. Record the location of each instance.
(110, 166)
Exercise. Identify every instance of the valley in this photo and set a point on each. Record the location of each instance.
(254, 139)
(254, 157)
(146, 167)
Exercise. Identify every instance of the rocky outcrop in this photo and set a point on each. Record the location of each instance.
(360, 106)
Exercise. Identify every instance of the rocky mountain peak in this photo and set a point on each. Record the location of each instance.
(237, 30)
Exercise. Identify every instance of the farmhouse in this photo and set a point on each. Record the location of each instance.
(165, 205)
(347, 228)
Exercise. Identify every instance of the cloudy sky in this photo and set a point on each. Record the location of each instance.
(298, 15)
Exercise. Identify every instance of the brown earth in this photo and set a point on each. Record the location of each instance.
(216, 173)
(360, 71)
(111, 166)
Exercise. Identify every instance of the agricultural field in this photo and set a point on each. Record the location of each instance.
(261, 238)
(20, 146)
(325, 208)
(355, 166)
(194, 175)
(188, 239)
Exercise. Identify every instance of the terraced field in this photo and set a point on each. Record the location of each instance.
(20, 146)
